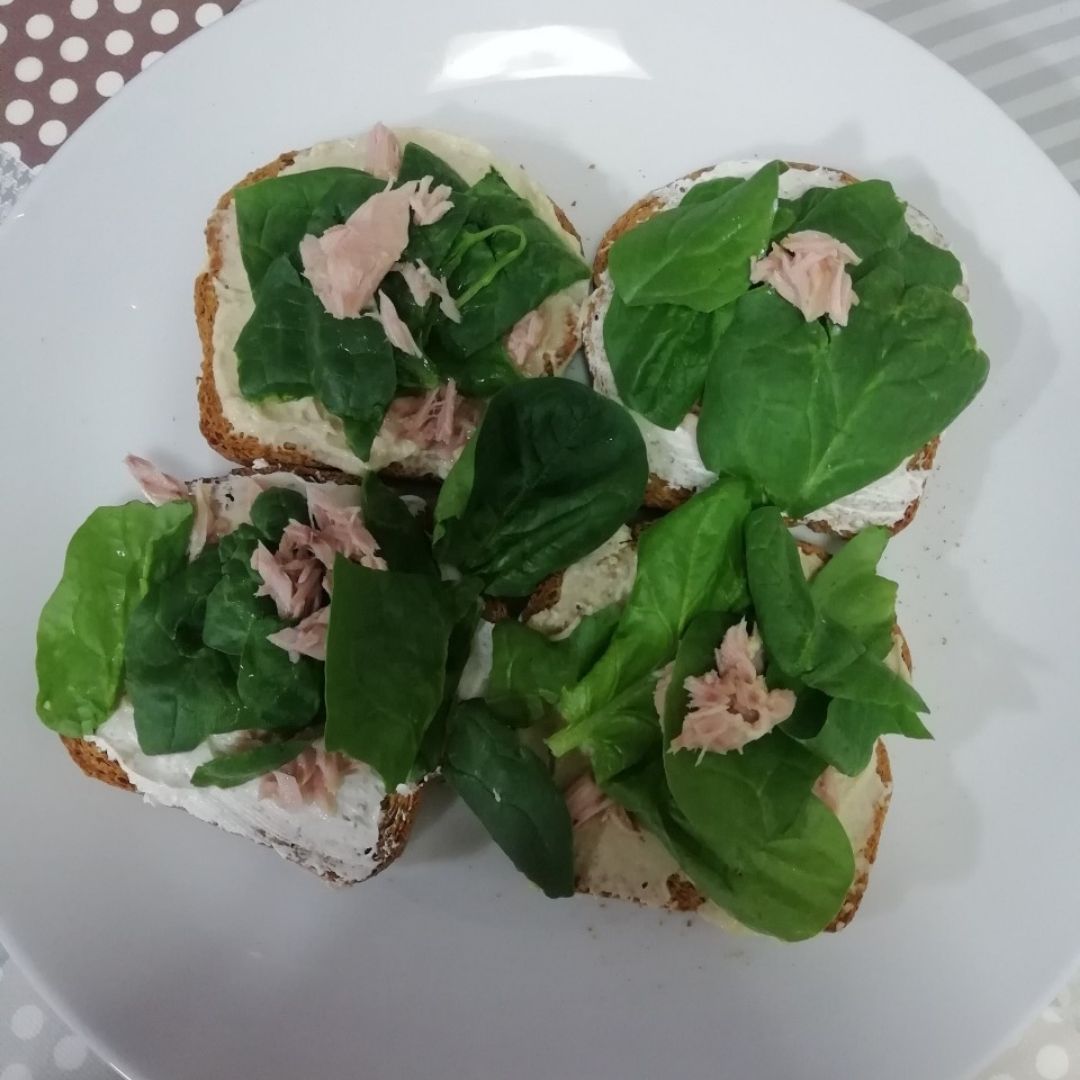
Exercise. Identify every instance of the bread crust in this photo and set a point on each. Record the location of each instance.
(659, 494)
(216, 428)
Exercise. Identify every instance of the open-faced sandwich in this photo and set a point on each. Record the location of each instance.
(788, 325)
(363, 298)
(713, 698)
(279, 654)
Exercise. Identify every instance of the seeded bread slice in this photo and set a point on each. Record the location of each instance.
(246, 448)
(661, 494)
(616, 859)
(398, 811)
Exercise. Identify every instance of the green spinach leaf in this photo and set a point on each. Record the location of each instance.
(545, 266)
(232, 605)
(181, 690)
(232, 770)
(697, 255)
(480, 375)
(866, 216)
(508, 788)
(924, 263)
(114, 558)
(386, 656)
(812, 417)
(400, 536)
(529, 670)
(431, 244)
(690, 561)
(659, 355)
(278, 694)
(273, 215)
(272, 510)
(453, 496)
(711, 190)
(557, 470)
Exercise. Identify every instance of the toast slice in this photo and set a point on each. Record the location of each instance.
(614, 857)
(676, 468)
(364, 830)
(304, 434)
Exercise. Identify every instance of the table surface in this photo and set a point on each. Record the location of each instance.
(60, 59)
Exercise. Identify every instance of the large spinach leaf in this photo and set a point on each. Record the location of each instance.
(273, 215)
(544, 266)
(698, 254)
(231, 770)
(386, 656)
(114, 558)
(659, 355)
(557, 468)
(513, 795)
(690, 561)
(811, 417)
(866, 216)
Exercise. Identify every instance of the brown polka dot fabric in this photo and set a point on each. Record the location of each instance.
(61, 59)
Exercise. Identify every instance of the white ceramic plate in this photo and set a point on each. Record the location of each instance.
(185, 953)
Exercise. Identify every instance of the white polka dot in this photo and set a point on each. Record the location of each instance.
(39, 27)
(205, 14)
(3, 33)
(126, 7)
(149, 58)
(63, 90)
(74, 49)
(12, 149)
(84, 9)
(119, 42)
(28, 69)
(1051, 1062)
(70, 1053)
(164, 21)
(19, 111)
(52, 132)
(108, 82)
(18, 1071)
(27, 1021)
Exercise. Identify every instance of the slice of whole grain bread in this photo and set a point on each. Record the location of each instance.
(246, 448)
(660, 494)
(644, 873)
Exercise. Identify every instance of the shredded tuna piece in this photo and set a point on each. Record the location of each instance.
(205, 525)
(383, 157)
(397, 333)
(731, 705)
(423, 283)
(584, 800)
(346, 264)
(313, 777)
(158, 487)
(306, 638)
(441, 417)
(525, 336)
(429, 206)
(809, 270)
(276, 583)
(342, 528)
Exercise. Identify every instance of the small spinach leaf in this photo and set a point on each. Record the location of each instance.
(400, 536)
(231, 770)
(508, 788)
(659, 355)
(866, 216)
(697, 255)
(277, 693)
(273, 509)
(232, 605)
